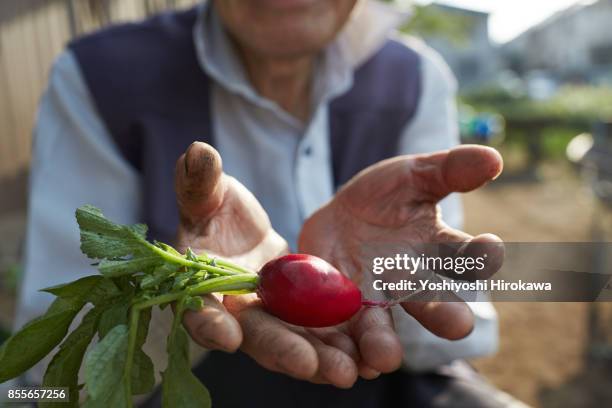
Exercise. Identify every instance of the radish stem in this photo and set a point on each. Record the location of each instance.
(378, 303)
(221, 284)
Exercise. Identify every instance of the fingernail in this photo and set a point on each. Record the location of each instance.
(211, 344)
(187, 157)
(371, 375)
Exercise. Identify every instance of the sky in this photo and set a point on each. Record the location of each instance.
(509, 18)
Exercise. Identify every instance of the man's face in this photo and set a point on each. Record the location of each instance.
(283, 28)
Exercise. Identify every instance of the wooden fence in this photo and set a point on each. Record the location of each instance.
(32, 34)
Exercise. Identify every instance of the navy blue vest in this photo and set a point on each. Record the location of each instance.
(154, 98)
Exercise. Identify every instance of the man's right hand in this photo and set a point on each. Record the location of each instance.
(221, 217)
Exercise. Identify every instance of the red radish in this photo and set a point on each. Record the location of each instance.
(307, 291)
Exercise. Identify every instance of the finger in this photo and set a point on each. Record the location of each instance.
(271, 343)
(379, 345)
(335, 338)
(335, 366)
(422, 178)
(488, 249)
(449, 320)
(199, 182)
(452, 318)
(487, 246)
(368, 373)
(342, 341)
(462, 169)
(213, 327)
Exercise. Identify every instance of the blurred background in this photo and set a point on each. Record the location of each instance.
(535, 82)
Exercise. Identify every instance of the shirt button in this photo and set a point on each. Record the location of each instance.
(307, 151)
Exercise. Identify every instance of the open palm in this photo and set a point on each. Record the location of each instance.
(392, 206)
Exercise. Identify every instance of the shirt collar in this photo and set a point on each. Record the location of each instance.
(362, 36)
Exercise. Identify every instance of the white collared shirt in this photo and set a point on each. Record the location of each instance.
(75, 161)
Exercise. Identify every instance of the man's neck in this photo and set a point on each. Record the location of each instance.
(285, 81)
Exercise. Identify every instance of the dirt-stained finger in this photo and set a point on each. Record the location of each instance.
(199, 182)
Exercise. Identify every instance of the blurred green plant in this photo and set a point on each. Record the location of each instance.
(431, 21)
(572, 110)
(574, 105)
(435, 21)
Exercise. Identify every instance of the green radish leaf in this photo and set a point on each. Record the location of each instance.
(167, 248)
(104, 367)
(160, 274)
(115, 315)
(143, 373)
(114, 399)
(194, 303)
(181, 389)
(189, 254)
(124, 283)
(115, 268)
(123, 249)
(36, 339)
(94, 289)
(182, 279)
(63, 370)
(133, 272)
(103, 239)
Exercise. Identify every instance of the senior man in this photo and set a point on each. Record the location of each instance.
(297, 96)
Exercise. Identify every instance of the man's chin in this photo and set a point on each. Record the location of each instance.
(296, 43)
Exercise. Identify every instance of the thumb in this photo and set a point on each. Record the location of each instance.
(468, 167)
(199, 183)
(461, 169)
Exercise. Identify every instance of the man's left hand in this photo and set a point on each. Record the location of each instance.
(395, 201)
